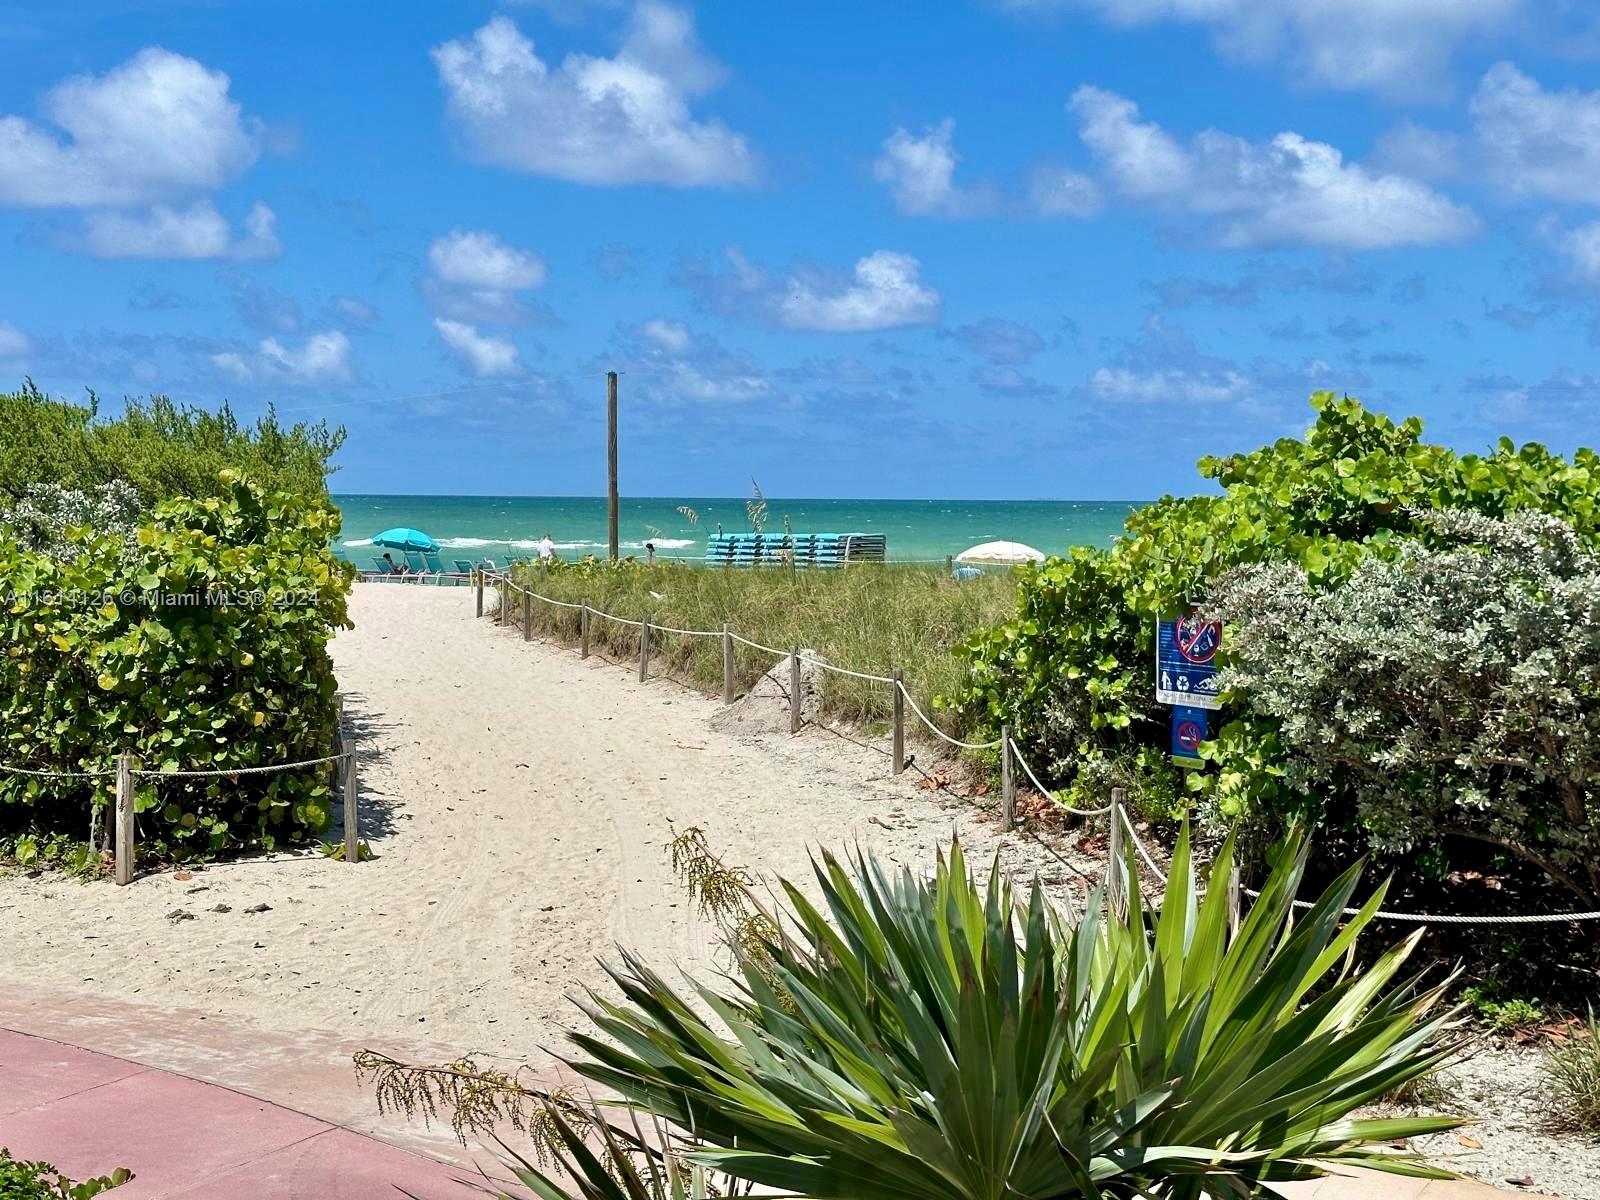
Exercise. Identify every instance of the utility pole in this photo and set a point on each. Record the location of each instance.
(611, 458)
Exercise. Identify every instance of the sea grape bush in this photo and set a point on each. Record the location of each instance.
(1071, 671)
(200, 644)
(1453, 690)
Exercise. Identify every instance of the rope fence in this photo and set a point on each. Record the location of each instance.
(123, 847)
(1121, 823)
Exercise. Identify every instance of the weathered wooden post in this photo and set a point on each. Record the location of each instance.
(1233, 900)
(1008, 786)
(794, 690)
(644, 649)
(503, 589)
(527, 615)
(949, 564)
(898, 752)
(123, 852)
(583, 629)
(477, 582)
(1116, 877)
(352, 810)
(727, 664)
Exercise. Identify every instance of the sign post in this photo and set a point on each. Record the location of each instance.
(1186, 679)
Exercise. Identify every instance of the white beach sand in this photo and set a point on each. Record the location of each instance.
(518, 802)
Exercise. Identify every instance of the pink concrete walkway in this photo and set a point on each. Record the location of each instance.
(89, 1113)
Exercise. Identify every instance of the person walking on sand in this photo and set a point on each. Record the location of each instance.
(547, 549)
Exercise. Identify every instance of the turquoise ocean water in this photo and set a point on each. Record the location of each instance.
(479, 527)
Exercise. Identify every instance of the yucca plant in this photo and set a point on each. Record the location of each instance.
(915, 1039)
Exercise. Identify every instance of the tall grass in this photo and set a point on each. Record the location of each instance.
(871, 617)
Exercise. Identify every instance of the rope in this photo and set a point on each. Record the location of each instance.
(1044, 791)
(265, 770)
(686, 632)
(548, 600)
(595, 612)
(757, 645)
(56, 774)
(941, 733)
(817, 662)
(1450, 919)
(1122, 815)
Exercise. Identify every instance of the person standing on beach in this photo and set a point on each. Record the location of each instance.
(547, 548)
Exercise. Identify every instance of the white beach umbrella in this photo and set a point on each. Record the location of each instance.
(1000, 552)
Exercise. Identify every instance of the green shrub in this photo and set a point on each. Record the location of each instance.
(1501, 1013)
(41, 1181)
(939, 1038)
(1072, 670)
(161, 449)
(202, 645)
(1453, 690)
(1574, 1069)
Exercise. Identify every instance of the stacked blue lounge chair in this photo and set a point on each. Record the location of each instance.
(807, 549)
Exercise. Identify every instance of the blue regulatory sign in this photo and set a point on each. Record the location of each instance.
(1186, 662)
(1189, 729)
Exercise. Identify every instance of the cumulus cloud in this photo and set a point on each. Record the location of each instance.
(141, 147)
(675, 363)
(1059, 192)
(481, 260)
(197, 230)
(321, 358)
(13, 342)
(1536, 142)
(1580, 246)
(1398, 48)
(920, 174)
(157, 127)
(884, 291)
(484, 354)
(999, 341)
(476, 277)
(596, 120)
(669, 335)
(1284, 192)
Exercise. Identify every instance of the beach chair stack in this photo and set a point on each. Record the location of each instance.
(806, 549)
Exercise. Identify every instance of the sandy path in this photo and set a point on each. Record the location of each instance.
(518, 802)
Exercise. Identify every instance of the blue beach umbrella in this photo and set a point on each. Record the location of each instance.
(405, 539)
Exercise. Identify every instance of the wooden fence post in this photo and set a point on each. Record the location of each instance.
(1008, 787)
(1233, 900)
(527, 615)
(727, 664)
(949, 564)
(644, 650)
(503, 590)
(794, 690)
(1116, 877)
(123, 853)
(477, 582)
(583, 629)
(898, 752)
(352, 813)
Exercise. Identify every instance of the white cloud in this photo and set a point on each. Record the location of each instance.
(475, 259)
(1147, 387)
(354, 310)
(322, 357)
(669, 335)
(1289, 191)
(1580, 246)
(158, 127)
(13, 342)
(1538, 143)
(1398, 48)
(195, 231)
(593, 120)
(885, 292)
(1419, 152)
(486, 355)
(920, 174)
(1059, 192)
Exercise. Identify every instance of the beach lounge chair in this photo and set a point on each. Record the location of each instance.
(382, 568)
(435, 567)
(414, 562)
(463, 566)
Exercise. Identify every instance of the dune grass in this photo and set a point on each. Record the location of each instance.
(871, 617)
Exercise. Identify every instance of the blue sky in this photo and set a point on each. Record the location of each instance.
(1010, 248)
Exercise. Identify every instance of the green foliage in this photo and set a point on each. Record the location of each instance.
(944, 1039)
(872, 617)
(1454, 690)
(202, 646)
(41, 1181)
(161, 449)
(1503, 1014)
(1071, 671)
(47, 514)
(1574, 1069)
